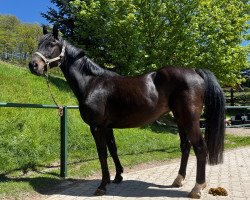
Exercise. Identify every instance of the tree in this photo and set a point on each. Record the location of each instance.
(8, 26)
(137, 36)
(64, 17)
(28, 34)
(17, 39)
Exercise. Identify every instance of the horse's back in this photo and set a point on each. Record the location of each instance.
(175, 80)
(179, 76)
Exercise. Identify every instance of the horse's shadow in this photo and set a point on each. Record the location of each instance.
(128, 188)
(85, 188)
(39, 184)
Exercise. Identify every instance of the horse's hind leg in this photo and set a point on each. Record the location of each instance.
(187, 109)
(200, 152)
(195, 138)
(113, 152)
(185, 150)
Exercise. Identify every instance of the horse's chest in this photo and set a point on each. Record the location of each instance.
(92, 108)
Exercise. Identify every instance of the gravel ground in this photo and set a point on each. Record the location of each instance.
(238, 131)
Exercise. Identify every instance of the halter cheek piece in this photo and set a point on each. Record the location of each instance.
(48, 61)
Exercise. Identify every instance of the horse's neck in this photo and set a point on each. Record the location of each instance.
(72, 68)
(79, 70)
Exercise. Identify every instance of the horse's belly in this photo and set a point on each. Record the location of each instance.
(137, 119)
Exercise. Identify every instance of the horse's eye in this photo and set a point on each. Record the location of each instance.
(50, 45)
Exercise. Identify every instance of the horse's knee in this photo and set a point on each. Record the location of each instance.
(185, 147)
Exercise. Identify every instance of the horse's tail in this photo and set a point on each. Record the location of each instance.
(214, 115)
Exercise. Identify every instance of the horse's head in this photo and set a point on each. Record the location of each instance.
(50, 52)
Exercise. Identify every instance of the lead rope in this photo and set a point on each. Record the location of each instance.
(60, 108)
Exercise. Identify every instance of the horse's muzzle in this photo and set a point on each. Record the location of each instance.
(36, 69)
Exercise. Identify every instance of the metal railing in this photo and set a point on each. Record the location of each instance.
(64, 127)
(240, 125)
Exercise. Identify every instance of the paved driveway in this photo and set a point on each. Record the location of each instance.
(155, 183)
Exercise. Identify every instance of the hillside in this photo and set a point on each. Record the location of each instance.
(30, 137)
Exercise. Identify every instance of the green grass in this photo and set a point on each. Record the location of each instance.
(232, 141)
(30, 142)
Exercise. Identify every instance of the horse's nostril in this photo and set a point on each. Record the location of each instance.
(33, 65)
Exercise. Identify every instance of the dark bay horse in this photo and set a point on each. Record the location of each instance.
(108, 100)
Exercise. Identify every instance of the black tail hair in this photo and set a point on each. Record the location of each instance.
(214, 115)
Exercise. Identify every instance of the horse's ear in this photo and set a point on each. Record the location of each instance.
(45, 31)
(55, 32)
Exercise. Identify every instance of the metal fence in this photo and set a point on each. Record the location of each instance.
(64, 127)
(243, 118)
(14, 56)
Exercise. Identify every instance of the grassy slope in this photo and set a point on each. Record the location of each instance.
(29, 138)
(29, 135)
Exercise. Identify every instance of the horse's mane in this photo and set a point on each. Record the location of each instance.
(89, 67)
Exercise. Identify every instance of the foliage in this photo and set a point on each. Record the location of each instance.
(17, 40)
(138, 36)
(8, 26)
(65, 16)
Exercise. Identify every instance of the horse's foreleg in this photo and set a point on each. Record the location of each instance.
(101, 145)
(113, 152)
(185, 150)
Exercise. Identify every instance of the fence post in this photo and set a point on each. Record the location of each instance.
(64, 133)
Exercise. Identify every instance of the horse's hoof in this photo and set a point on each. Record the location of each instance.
(178, 182)
(118, 179)
(100, 192)
(177, 185)
(196, 191)
(194, 195)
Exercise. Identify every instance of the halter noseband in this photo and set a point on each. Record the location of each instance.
(48, 61)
